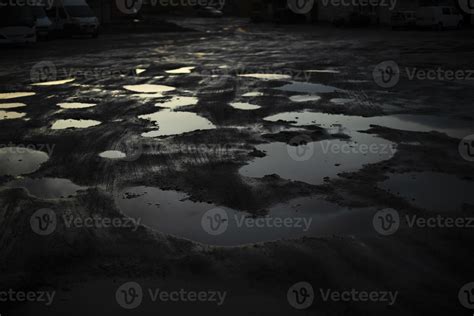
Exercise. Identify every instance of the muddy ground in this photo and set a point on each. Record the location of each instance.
(85, 266)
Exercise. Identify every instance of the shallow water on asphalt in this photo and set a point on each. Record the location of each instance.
(71, 123)
(47, 188)
(253, 94)
(53, 83)
(266, 76)
(113, 154)
(9, 115)
(182, 70)
(171, 212)
(305, 98)
(175, 123)
(16, 161)
(314, 161)
(305, 87)
(15, 95)
(244, 106)
(149, 88)
(12, 105)
(438, 192)
(75, 105)
(178, 101)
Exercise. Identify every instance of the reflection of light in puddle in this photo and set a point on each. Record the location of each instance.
(75, 105)
(244, 106)
(312, 162)
(253, 94)
(149, 88)
(148, 95)
(305, 98)
(267, 76)
(17, 160)
(70, 123)
(112, 154)
(341, 101)
(182, 70)
(46, 188)
(323, 71)
(407, 122)
(4, 115)
(170, 212)
(176, 102)
(175, 123)
(12, 105)
(53, 83)
(139, 71)
(14, 95)
(433, 191)
(310, 88)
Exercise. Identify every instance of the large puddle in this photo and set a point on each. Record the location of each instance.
(14, 95)
(406, 122)
(175, 123)
(10, 115)
(170, 212)
(47, 188)
(16, 161)
(70, 123)
(149, 88)
(177, 101)
(315, 161)
(437, 192)
(309, 88)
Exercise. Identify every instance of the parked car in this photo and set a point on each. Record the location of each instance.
(43, 24)
(438, 17)
(209, 12)
(73, 17)
(17, 25)
(403, 19)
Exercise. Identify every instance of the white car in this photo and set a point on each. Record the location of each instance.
(17, 25)
(438, 17)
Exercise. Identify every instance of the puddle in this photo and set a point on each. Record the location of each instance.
(175, 123)
(149, 88)
(323, 71)
(47, 188)
(341, 101)
(16, 161)
(53, 83)
(309, 88)
(64, 124)
(76, 105)
(176, 102)
(139, 71)
(182, 70)
(12, 105)
(267, 76)
(244, 106)
(305, 98)
(170, 212)
(312, 162)
(253, 94)
(113, 154)
(437, 192)
(406, 122)
(14, 95)
(148, 95)
(4, 115)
